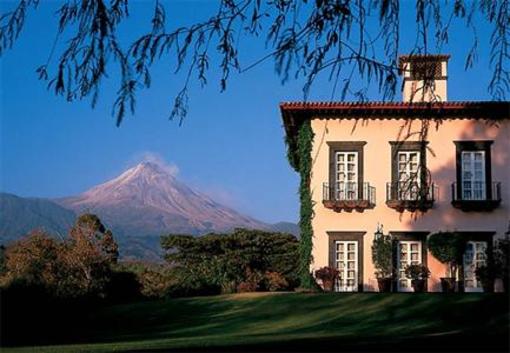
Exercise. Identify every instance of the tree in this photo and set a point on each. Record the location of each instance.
(154, 279)
(2, 259)
(77, 266)
(502, 259)
(34, 261)
(448, 248)
(304, 38)
(90, 253)
(382, 256)
(221, 262)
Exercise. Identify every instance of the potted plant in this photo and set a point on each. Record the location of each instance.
(486, 274)
(382, 260)
(502, 260)
(328, 276)
(448, 248)
(418, 274)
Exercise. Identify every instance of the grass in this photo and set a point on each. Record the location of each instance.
(295, 321)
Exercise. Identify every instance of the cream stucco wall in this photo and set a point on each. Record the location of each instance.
(377, 171)
(413, 91)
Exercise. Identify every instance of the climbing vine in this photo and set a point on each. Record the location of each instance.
(302, 162)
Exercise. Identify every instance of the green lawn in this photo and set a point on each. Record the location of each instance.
(298, 321)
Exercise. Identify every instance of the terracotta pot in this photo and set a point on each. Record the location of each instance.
(418, 285)
(448, 284)
(384, 285)
(328, 285)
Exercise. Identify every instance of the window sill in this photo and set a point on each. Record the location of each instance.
(476, 205)
(410, 205)
(348, 205)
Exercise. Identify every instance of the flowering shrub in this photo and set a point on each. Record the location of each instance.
(328, 276)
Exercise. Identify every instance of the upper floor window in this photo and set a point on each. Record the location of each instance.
(346, 188)
(474, 188)
(408, 174)
(346, 175)
(473, 175)
(346, 169)
(410, 187)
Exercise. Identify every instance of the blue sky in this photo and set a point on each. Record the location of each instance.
(230, 145)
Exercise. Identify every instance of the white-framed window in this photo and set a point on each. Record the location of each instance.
(474, 257)
(409, 253)
(346, 175)
(346, 260)
(408, 175)
(473, 175)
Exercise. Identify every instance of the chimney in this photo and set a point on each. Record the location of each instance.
(424, 77)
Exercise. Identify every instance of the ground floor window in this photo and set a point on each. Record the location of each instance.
(409, 248)
(346, 258)
(346, 254)
(409, 253)
(474, 257)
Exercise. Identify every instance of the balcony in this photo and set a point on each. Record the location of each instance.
(410, 196)
(476, 196)
(348, 196)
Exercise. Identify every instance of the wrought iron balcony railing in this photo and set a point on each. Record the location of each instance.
(411, 195)
(476, 195)
(348, 195)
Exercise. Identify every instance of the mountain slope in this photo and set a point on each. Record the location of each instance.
(141, 204)
(19, 215)
(286, 227)
(148, 200)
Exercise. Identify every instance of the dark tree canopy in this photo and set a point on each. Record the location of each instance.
(304, 38)
(225, 261)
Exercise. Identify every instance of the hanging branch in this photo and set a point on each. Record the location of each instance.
(304, 39)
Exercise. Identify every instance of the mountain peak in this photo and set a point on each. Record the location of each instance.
(149, 193)
(150, 167)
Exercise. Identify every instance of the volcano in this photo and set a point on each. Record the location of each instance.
(148, 200)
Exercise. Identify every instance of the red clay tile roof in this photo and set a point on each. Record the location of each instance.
(456, 105)
(424, 57)
(421, 57)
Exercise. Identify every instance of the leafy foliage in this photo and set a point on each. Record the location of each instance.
(448, 248)
(34, 260)
(382, 250)
(90, 252)
(154, 279)
(487, 272)
(502, 259)
(78, 266)
(305, 139)
(2, 259)
(327, 273)
(303, 38)
(221, 262)
(274, 281)
(417, 272)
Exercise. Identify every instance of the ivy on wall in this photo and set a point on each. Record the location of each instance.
(301, 160)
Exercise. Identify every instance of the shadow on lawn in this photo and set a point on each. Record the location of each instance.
(281, 323)
(466, 342)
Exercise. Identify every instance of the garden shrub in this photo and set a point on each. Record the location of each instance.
(327, 275)
(382, 250)
(448, 248)
(275, 282)
(224, 261)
